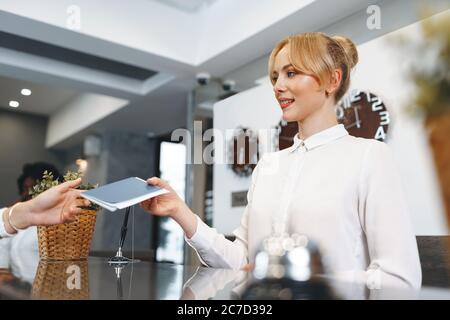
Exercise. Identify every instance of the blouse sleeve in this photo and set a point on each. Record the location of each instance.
(4, 244)
(384, 216)
(214, 250)
(3, 233)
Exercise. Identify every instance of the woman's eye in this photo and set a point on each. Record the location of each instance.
(274, 79)
(290, 74)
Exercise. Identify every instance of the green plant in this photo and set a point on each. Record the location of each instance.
(48, 181)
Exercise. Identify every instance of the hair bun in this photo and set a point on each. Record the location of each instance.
(349, 48)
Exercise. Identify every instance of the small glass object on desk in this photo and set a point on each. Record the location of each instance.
(286, 268)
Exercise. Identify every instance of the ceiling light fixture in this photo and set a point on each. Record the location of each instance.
(14, 104)
(26, 92)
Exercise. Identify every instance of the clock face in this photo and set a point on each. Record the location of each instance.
(244, 152)
(364, 115)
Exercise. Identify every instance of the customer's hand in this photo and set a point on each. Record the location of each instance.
(168, 204)
(56, 205)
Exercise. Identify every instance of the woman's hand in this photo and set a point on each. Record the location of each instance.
(168, 204)
(248, 267)
(57, 205)
(171, 205)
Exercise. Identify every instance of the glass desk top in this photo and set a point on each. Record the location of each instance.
(28, 278)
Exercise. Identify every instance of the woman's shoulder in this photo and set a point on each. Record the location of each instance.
(371, 151)
(348, 146)
(363, 144)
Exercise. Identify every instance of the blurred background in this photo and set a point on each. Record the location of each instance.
(100, 86)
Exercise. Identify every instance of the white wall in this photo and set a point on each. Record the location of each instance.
(381, 70)
(256, 109)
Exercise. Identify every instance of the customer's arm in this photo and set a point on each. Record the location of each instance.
(54, 206)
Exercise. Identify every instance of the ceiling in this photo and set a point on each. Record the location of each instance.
(187, 5)
(44, 100)
(175, 38)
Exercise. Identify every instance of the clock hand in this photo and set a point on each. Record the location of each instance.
(358, 122)
(351, 125)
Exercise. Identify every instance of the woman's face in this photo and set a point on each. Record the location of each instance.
(298, 94)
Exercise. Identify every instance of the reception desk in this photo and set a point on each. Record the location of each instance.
(94, 279)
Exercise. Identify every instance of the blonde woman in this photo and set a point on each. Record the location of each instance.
(341, 191)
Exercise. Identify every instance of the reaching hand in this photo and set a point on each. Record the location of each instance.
(171, 205)
(166, 204)
(56, 205)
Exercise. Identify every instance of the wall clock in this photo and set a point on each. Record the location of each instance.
(364, 114)
(244, 151)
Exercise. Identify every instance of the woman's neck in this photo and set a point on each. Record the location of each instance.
(317, 122)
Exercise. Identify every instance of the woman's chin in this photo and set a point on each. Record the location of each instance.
(293, 115)
(289, 117)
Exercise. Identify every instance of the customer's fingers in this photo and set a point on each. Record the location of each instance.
(81, 202)
(69, 184)
(71, 214)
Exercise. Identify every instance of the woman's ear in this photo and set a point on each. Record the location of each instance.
(335, 82)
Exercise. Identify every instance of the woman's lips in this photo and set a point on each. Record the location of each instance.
(285, 103)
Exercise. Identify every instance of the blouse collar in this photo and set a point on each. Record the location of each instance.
(320, 138)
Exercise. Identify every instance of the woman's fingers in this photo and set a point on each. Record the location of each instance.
(158, 182)
(146, 204)
(248, 267)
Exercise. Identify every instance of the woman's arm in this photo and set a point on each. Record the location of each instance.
(384, 216)
(213, 249)
(171, 205)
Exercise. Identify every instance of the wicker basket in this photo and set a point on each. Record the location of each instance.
(61, 280)
(67, 241)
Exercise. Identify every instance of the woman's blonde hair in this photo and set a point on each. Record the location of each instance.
(317, 54)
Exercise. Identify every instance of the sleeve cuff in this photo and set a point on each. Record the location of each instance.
(203, 236)
(202, 239)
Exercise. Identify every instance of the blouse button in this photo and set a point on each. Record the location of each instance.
(302, 146)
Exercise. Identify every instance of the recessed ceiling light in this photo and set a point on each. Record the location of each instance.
(26, 92)
(14, 104)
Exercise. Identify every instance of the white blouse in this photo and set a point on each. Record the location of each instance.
(342, 192)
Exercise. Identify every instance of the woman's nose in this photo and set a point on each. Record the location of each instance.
(279, 87)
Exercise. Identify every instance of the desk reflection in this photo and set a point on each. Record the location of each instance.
(208, 283)
(23, 276)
